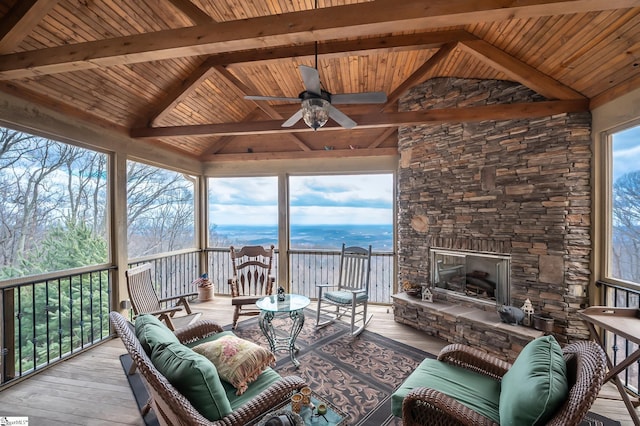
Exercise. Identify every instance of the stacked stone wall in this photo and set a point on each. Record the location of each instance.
(518, 187)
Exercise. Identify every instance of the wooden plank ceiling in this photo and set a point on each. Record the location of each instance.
(175, 72)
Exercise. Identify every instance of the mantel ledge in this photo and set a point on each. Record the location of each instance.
(465, 313)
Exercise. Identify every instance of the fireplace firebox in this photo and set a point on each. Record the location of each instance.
(481, 276)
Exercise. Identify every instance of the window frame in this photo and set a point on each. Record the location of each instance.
(606, 186)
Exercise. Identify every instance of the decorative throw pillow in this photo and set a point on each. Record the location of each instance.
(238, 361)
(536, 386)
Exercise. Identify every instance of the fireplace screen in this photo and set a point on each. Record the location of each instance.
(478, 275)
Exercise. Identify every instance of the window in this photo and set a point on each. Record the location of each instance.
(53, 199)
(624, 243)
(327, 211)
(160, 207)
(243, 211)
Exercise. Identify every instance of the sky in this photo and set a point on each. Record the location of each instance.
(314, 200)
(626, 152)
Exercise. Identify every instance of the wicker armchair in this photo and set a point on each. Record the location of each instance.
(170, 406)
(586, 368)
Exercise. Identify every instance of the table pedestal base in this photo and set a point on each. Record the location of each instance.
(286, 343)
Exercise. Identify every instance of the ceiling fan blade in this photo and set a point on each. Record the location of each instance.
(359, 98)
(311, 79)
(293, 119)
(340, 118)
(271, 98)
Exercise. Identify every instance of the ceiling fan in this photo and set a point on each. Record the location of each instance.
(317, 103)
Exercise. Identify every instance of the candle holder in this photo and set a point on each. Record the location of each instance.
(321, 410)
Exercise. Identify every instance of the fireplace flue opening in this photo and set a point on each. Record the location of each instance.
(481, 276)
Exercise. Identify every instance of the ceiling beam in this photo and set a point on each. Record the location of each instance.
(330, 23)
(518, 70)
(379, 120)
(263, 105)
(23, 17)
(342, 48)
(300, 155)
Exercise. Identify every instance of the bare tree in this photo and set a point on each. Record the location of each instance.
(626, 227)
(160, 209)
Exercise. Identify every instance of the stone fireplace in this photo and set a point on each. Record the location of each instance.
(512, 189)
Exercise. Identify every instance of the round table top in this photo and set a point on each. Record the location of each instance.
(292, 302)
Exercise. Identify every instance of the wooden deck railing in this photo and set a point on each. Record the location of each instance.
(308, 268)
(51, 317)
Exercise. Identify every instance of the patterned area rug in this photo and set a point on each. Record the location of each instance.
(356, 375)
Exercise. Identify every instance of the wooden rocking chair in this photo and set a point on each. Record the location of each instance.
(144, 299)
(252, 279)
(350, 295)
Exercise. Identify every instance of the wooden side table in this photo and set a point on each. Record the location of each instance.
(624, 322)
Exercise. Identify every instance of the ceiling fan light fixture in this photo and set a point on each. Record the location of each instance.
(315, 112)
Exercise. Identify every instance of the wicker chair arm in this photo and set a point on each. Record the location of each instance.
(267, 400)
(198, 330)
(425, 406)
(475, 360)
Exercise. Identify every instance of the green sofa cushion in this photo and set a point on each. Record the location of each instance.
(476, 391)
(195, 377)
(535, 386)
(264, 380)
(151, 332)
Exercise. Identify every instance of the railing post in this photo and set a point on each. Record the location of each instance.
(7, 336)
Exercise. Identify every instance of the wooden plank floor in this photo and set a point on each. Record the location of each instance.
(91, 389)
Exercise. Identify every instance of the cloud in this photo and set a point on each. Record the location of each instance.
(626, 152)
(344, 199)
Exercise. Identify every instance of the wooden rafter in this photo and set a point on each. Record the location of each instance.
(21, 19)
(197, 15)
(353, 20)
(380, 120)
(519, 71)
(226, 140)
(180, 91)
(383, 137)
(419, 74)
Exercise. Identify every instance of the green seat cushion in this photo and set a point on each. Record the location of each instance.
(476, 391)
(536, 386)
(195, 377)
(151, 332)
(344, 297)
(264, 380)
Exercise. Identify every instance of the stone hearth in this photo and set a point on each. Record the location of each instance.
(515, 187)
(457, 323)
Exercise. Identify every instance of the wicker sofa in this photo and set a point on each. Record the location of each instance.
(475, 392)
(173, 408)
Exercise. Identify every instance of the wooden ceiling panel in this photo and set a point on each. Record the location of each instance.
(570, 47)
(232, 10)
